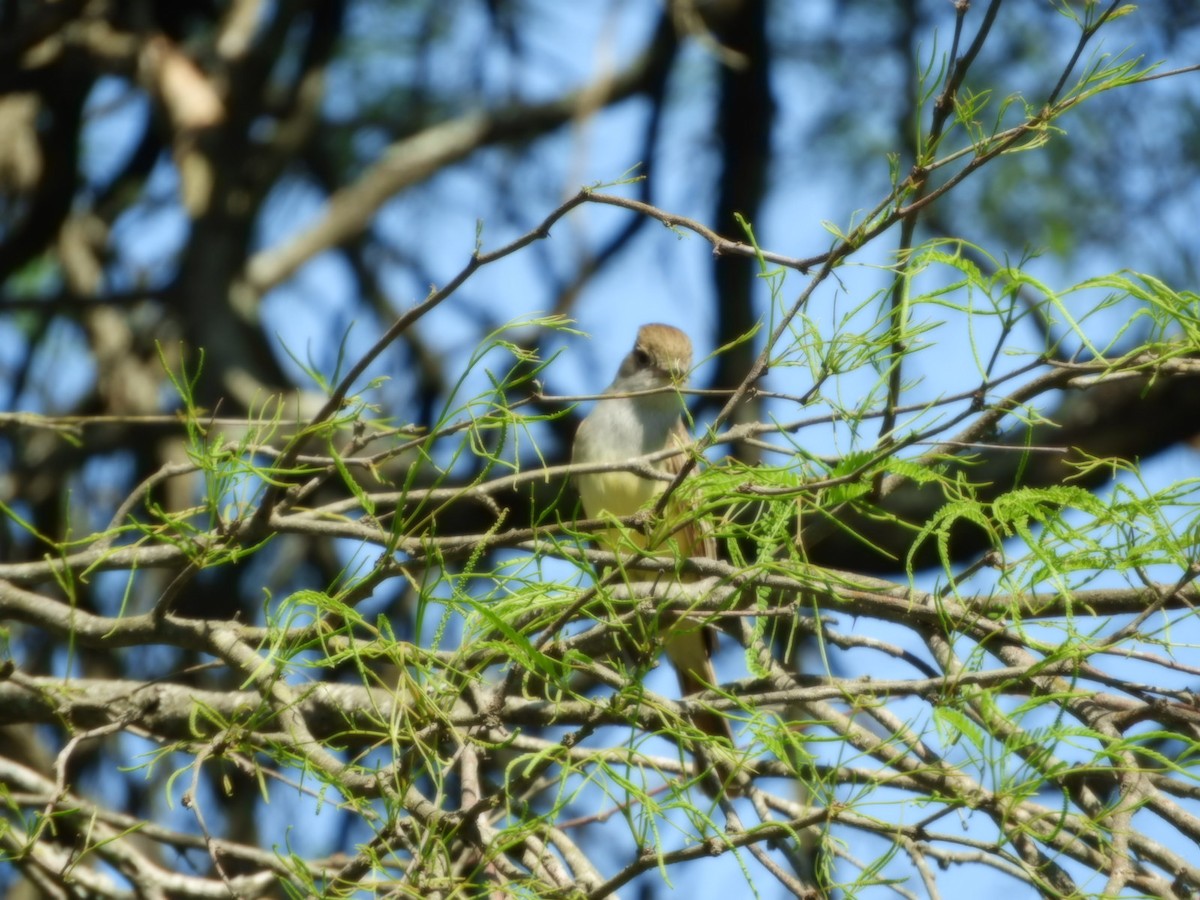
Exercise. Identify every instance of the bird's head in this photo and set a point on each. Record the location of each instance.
(661, 357)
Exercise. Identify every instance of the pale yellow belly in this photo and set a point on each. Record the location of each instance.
(617, 494)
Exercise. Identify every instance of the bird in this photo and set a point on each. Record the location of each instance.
(621, 428)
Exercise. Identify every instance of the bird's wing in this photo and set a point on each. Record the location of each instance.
(692, 533)
(691, 647)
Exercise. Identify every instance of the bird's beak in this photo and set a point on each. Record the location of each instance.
(677, 370)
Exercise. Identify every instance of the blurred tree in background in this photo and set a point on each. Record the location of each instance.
(294, 593)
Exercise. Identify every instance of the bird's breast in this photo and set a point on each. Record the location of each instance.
(617, 432)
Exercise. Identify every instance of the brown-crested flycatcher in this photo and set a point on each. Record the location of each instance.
(622, 428)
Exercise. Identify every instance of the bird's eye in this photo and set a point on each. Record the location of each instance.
(641, 357)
